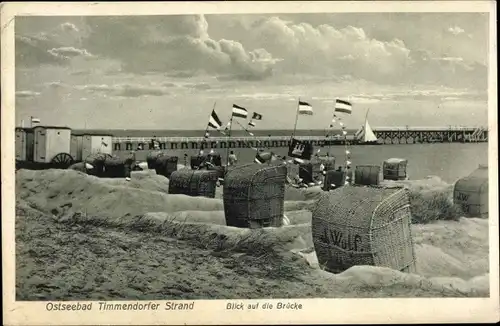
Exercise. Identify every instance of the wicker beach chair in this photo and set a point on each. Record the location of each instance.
(364, 225)
(97, 161)
(195, 183)
(367, 175)
(166, 165)
(115, 167)
(254, 195)
(395, 169)
(152, 157)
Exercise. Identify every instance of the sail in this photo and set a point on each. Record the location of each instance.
(368, 136)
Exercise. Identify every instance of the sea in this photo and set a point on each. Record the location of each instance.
(448, 161)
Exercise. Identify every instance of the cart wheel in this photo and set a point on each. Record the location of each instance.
(63, 160)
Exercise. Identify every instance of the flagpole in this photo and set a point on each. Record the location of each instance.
(296, 119)
(229, 141)
(206, 129)
(331, 123)
(31, 121)
(346, 155)
(246, 129)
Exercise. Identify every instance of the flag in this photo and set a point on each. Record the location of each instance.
(35, 120)
(298, 161)
(343, 106)
(103, 143)
(251, 123)
(256, 116)
(214, 121)
(305, 108)
(239, 112)
(300, 149)
(258, 159)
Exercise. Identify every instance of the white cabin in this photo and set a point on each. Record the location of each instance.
(24, 144)
(76, 146)
(95, 143)
(50, 141)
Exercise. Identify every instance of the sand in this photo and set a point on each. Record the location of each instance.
(80, 237)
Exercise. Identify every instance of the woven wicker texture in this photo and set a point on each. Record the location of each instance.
(166, 165)
(306, 172)
(254, 195)
(334, 180)
(195, 183)
(97, 161)
(215, 159)
(219, 169)
(471, 193)
(367, 175)
(151, 158)
(115, 167)
(360, 225)
(394, 169)
(197, 160)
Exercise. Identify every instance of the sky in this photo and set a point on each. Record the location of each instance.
(168, 72)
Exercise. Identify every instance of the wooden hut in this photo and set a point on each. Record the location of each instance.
(254, 195)
(364, 225)
(24, 144)
(52, 144)
(77, 146)
(96, 143)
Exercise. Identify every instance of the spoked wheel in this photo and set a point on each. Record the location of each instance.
(62, 160)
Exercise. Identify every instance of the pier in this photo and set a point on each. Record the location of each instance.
(385, 135)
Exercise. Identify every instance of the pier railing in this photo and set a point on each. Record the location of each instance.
(391, 134)
(211, 139)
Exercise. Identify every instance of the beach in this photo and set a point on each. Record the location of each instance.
(81, 237)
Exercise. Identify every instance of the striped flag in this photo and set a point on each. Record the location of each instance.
(214, 121)
(35, 120)
(239, 112)
(259, 160)
(305, 108)
(343, 106)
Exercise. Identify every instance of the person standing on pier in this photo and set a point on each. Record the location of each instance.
(232, 159)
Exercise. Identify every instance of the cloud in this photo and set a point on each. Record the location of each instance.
(26, 94)
(200, 86)
(455, 30)
(176, 44)
(69, 52)
(326, 50)
(69, 27)
(32, 51)
(125, 90)
(334, 50)
(260, 47)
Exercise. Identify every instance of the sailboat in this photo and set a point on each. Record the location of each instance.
(365, 135)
